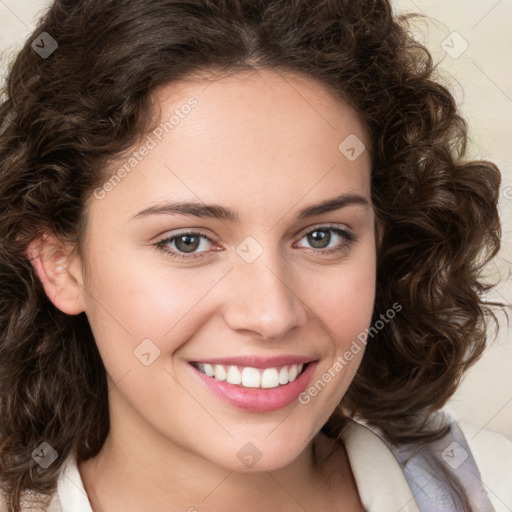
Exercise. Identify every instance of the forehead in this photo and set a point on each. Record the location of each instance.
(254, 134)
(266, 99)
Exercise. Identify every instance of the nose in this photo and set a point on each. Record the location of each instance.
(262, 299)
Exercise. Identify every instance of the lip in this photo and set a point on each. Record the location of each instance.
(257, 399)
(258, 362)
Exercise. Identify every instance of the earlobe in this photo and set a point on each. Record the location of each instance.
(59, 270)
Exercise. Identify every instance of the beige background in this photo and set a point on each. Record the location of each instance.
(471, 41)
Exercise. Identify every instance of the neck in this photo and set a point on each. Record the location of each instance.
(139, 469)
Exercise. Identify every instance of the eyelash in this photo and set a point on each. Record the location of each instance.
(349, 239)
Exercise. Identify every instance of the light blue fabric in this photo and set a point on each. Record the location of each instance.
(426, 470)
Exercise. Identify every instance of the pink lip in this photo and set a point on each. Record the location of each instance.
(258, 362)
(257, 399)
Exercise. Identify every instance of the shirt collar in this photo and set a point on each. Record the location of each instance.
(70, 488)
(379, 477)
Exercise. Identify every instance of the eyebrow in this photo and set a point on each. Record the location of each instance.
(214, 211)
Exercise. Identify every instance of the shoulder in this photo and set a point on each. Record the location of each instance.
(468, 459)
(379, 477)
(492, 452)
(467, 463)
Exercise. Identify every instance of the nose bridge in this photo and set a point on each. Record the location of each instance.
(263, 299)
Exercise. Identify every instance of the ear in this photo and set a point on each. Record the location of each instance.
(59, 269)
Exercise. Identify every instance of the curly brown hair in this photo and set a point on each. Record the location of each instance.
(65, 116)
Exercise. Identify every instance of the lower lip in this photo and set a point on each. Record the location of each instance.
(259, 399)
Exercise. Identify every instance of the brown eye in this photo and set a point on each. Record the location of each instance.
(185, 245)
(319, 239)
(329, 240)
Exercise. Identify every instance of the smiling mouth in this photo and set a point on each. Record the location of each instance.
(249, 377)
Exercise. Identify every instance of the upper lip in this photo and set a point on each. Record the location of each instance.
(257, 361)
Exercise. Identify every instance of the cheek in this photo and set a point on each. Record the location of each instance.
(343, 304)
(129, 302)
(344, 300)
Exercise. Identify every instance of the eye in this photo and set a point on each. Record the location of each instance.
(329, 239)
(186, 245)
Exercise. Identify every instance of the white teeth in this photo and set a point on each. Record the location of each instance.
(208, 369)
(234, 376)
(269, 378)
(252, 377)
(220, 372)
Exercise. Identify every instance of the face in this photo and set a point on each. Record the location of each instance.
(205, 315)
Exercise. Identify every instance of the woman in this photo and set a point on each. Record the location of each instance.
(240, 263)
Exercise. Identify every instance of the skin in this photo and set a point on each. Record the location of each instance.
(265, 145)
